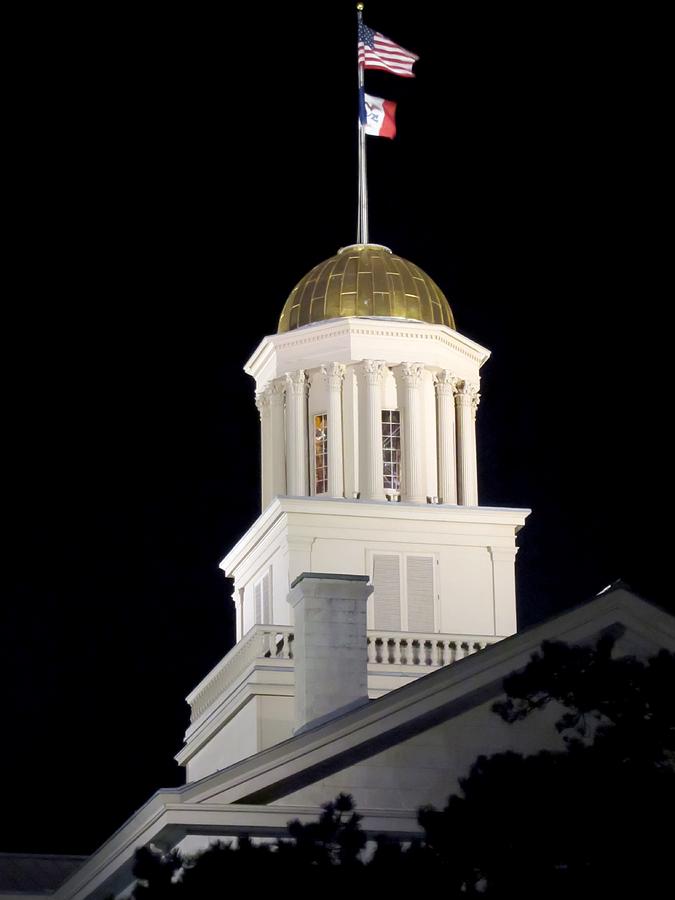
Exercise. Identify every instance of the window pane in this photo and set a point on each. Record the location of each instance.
(391, 449)
(320, 454)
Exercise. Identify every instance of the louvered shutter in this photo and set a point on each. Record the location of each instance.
(267, 599)
(420, 593)
(387, 593)
(257, 589)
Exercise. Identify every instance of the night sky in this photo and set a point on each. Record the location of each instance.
(172, 177)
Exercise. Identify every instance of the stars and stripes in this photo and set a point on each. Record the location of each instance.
(377, 52)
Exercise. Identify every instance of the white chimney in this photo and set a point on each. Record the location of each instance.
(329, 649)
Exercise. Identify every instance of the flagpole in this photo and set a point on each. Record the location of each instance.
(362, 230)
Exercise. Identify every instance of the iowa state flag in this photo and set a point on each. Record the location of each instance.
(377, 115)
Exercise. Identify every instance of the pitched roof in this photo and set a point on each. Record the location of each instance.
(228, 796)
(35, 872)
(365, 731)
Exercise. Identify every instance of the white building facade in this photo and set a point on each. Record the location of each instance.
(371, 564)
(367, 398)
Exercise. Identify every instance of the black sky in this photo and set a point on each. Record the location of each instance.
(172, 176)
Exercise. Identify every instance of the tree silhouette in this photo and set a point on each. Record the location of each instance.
(585, 821)
(328, 848)
(336, 839)
(578, 822)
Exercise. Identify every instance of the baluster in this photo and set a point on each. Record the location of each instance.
(465, 649)
(439, 647)
(414, 652)
(452, 652)
(396, 650)
(428, 653)
(289, 644)
(371, 649)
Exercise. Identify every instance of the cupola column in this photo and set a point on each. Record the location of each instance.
(412, 422)
(296, 433)
(262, 402)
(446, 385)
(277, 391)
(371, 468)
(466, 402)
(334, 374)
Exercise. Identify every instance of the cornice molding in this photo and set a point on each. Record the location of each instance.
(380, 328)
(381, 512)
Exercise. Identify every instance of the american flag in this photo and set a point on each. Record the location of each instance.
(377, 52)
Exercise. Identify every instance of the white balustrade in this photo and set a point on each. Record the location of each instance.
(384, 648)
(425, 650)
(261, 642)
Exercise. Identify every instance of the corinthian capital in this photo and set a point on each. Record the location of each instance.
(276, 390)
(296, 382)
(334, 374)
(411, 373)
(374, 370)
(262, 402)
(446, 383)
(467, 393)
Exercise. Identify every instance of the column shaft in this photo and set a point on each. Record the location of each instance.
(370, 440)
(334, 376)
(296, 433)
(262, 401)
(278, 438)
(467, 399)
(446, 384)
(411, 378)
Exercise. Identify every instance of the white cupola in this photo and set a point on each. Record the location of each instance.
(367, 397)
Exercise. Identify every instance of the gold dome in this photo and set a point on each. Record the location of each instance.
(365, 280)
